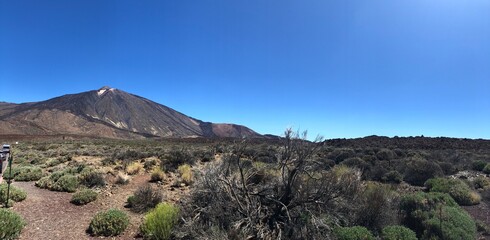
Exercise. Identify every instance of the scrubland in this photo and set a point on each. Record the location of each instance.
(285, 188)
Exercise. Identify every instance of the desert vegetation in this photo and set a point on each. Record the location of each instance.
(288, 188)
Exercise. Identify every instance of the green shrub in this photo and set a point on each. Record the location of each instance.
(130, 201)
(109, 223)
(159, 222)
(353, 233)
(393, 177)
(16, 194)
(11, 224)
(52, 162)
(481, 182)
(425, 213)
(486, 169)
(398, 233)
(45, 183)
(455, 224)
(458, 190)
(56, 175)
(66, 183)
(464, 195)
(145, 198)
(478, 165)
(28, 174)
(9, 204)
(83, 197)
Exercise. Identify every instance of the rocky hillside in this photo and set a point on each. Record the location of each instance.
(109, 112)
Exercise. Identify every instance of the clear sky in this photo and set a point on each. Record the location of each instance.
(335, 68)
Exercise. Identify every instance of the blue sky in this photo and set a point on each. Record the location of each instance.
(335, 68)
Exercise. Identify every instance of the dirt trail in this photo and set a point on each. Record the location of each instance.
(50, 215)
(480, 212)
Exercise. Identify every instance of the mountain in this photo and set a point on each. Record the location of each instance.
(112, 113)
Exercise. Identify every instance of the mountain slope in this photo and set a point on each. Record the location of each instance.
(108, 112)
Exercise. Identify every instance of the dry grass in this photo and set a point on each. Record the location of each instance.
(122, 178)
(134, 168)
(185, 172)
(157, 174)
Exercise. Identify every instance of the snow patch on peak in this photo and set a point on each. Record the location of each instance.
(104, 90)
(101, 91)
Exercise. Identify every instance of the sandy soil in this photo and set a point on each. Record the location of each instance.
(50, 215)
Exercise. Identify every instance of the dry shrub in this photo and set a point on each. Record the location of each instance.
(122, 178)
(145, 198)
(185, 172)
(237, 200)
(134, 168)
(157, 175)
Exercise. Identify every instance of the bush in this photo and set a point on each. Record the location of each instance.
(150, 163)
(482, 228)
(204, 156)
(418, 171)
(353, 233)
(447, 168)
(175, 158)
(52, 162)
(145, 198)
(11, 224)
(464, 195)
(486, 169)
(385, 154)
(159, 222)
(456, 188)
(28, 174)
(91, 178)
(377, 207)
(130, 201)
(83, 197)
(66, 183)
(63, 181)
(122, 178)
(455, 224)
(157, 175)
(16, 194)
(425, 213)
(185, 172)
(478, 165)
(392, 177)
(134, 168)
(481, 182)
(398, 233)
(44, 183)
(109, 223)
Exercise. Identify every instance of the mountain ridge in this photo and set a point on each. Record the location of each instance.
(110, 112)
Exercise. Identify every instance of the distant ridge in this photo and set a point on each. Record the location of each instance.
(112, 113)
(419, 142)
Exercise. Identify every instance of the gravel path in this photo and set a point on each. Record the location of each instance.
(50, 215)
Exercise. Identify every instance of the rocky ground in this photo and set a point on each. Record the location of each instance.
(50, 215)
